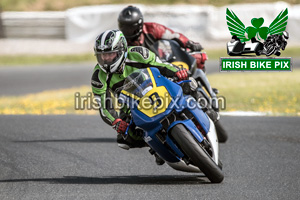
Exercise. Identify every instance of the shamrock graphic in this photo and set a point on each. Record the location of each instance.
(236, 27)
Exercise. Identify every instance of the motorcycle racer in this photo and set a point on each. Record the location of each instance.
(115, 61)
(140, 33)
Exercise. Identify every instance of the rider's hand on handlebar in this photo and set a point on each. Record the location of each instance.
(120, 126)
(182, 74)
(194, 46)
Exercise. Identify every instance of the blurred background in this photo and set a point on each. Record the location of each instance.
(81, 21)
(46, 51)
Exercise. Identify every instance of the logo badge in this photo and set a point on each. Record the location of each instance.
(256, 40)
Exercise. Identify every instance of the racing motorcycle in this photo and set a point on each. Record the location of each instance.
(171, 52)
(172, 124)
(274, 43)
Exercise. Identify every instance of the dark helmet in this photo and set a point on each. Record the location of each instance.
(131, 22)
(111, 51)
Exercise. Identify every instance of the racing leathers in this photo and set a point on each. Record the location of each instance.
(153, 32)
(104, 84)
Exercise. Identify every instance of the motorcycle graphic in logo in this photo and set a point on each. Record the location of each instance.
(264, 40)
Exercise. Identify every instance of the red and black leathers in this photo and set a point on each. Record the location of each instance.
(154, 31)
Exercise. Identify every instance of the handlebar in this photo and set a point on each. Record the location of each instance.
(184, 81)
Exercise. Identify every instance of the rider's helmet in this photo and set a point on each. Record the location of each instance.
(285, 35)
(111, 51)
(131, 22)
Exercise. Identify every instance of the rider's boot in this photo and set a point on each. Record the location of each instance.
(158, 160)
(215, 90)
(129, 142)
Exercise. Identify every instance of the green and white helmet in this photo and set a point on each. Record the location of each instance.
(111, 51)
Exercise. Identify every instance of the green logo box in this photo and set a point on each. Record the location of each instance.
(255, 64)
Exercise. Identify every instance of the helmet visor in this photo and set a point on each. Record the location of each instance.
(107, 58)
(130, 31)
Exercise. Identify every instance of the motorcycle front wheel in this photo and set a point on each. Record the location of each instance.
(196, 153)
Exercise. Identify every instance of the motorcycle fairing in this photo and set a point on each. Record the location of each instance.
(151, 124)
(200, 116)
(189, 125)
(145, 120)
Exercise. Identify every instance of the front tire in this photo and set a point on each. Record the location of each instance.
(197, 154)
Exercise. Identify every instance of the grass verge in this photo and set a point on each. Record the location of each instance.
(57, 102)
(29, 60)
(276, 93)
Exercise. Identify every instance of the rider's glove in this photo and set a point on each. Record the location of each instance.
(120, 126)
(182, 74)
(194, 46)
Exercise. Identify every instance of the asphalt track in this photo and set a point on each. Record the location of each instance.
(20, 80)
(76, 157)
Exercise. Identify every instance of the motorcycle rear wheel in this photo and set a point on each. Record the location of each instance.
(197, 154)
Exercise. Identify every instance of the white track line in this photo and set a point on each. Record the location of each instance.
(243, 113)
